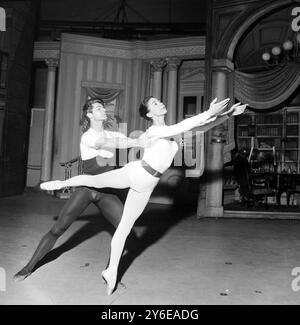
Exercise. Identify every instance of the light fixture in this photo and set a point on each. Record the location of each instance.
(288, 51)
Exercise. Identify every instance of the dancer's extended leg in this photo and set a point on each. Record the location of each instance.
(134, 206)
(116, 178)
(77, 203)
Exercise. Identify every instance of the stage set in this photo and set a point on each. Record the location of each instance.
(222, 226)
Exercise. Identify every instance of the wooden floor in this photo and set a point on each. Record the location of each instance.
(178, 259)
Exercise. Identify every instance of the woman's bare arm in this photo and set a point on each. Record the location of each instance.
(165, 131)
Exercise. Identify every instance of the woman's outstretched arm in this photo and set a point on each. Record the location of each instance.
(189, 123)
(202, 125)
(235, 109)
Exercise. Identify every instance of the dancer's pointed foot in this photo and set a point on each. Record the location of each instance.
(110, 278)
(52, 185)
(21, 275)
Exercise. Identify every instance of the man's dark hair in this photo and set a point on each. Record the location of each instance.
(88, 108)
(143, 109)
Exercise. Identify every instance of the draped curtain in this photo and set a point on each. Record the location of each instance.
(267, 89)
(107, 95)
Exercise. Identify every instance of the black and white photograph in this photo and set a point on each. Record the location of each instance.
(149, 155)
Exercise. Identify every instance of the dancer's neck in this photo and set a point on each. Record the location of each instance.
(158, 120)
(97, 126)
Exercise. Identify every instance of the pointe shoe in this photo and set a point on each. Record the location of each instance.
(18, 277)
(51, 186)
(110, 281)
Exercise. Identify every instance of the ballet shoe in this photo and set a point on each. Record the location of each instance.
(109, 280)
(51, 186)
(18, 277)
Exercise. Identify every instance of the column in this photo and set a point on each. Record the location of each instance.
(165, 86)
(48, 121)
(172, 68)
(157, 66)
(212, 206)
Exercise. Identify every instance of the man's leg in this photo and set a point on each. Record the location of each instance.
(111, 207)
(76, 204)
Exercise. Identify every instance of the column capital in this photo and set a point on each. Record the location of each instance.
(52, 63)
(222, 64)
(157, 65)
(173, 63)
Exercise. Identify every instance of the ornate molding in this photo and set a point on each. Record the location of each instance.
(243, 15)
(187, 47)
(157, 65)
(52, 64)
(46, 50)
(172, 64)
(222, 64)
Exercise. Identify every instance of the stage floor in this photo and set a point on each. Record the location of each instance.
(178, 259)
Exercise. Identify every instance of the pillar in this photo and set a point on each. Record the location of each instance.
(157, 67)
(211, 205)
(172, 68)
(48, 121)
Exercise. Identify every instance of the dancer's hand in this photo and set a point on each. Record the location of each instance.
(51, 186)
(235, 109)
(216, 108)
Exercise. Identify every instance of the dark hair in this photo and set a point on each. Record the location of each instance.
(143, 109)
(88, 108)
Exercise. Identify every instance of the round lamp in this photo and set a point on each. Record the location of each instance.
(287, 45)
(276, 50)
(266, 56)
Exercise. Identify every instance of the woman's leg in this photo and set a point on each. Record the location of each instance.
(134, 206)
(76, 204)
(116, 178)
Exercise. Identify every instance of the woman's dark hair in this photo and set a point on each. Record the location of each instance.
(143, 109)
(88, 108)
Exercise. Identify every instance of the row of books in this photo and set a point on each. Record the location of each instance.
(269, 119)
(291, 118)
(269, 131)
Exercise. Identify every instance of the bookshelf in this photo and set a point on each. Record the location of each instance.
(272, 134)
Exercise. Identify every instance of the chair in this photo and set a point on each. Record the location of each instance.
(294, 188)
(66, 192)
(261, 188)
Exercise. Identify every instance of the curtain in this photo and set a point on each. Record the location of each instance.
(107, 95)
(267, 89)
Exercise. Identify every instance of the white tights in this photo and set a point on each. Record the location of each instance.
(133, 208)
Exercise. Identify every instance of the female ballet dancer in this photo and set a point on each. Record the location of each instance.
(95, 161)
(142, 176)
